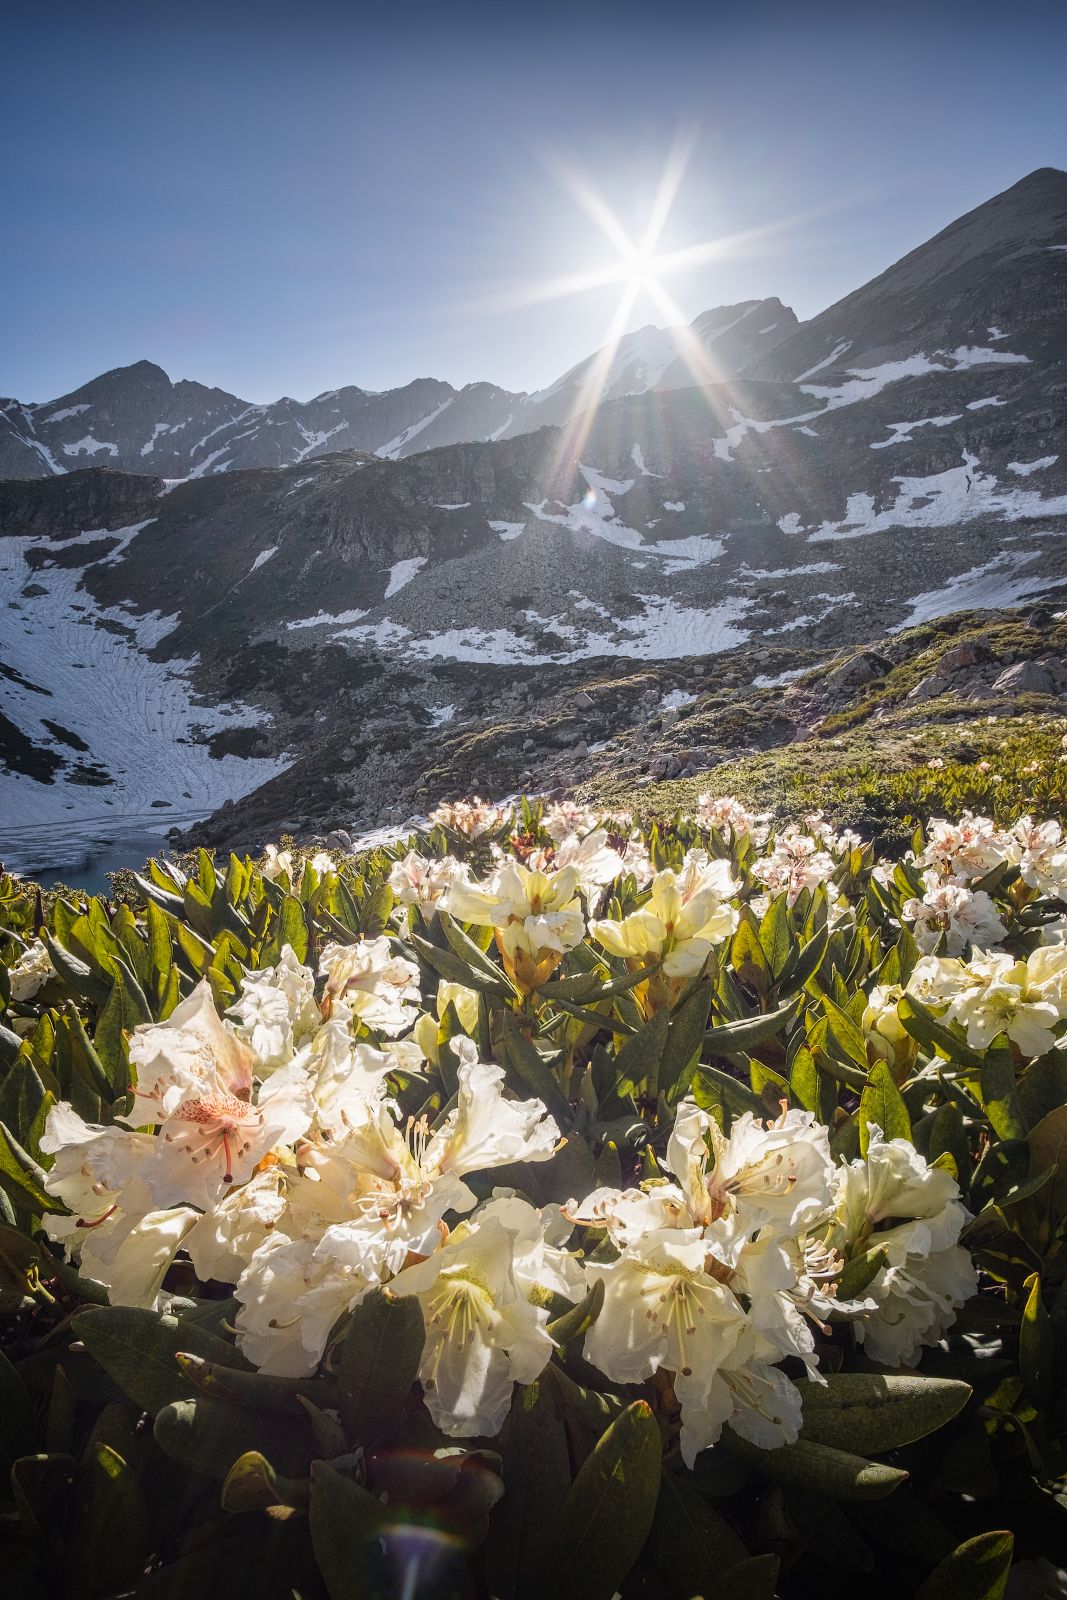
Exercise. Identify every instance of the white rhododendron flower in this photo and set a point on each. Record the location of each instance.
(471, 818)
(796, 862)
(276, 1012)
(30, 972)
(959, 915)
(279, 864)
(482, 1334)
(566, 818)
(894, 1200)
(725, 812)
(418, 880)
(965, 850)
(1040, 851)
(686, 915)
(380, 988)
(537, 917)
(1027, 1000)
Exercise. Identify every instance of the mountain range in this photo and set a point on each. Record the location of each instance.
(136, 419)
(321, 616)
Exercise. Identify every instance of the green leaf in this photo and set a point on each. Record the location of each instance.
(742, 1036)
(847, 1035)
(924, 1027)
(605, 1519)
(828, 1532)
(378, 1362)
(839, 1474)
(208, 1436)
(685, 1039)
(253, 1485)
(976, 1570)
(1000, 1098)
(138, 1349)
(580, 1318)
(748, 959)
(804, 962)
(867, 1414)
(691, 1546)
(537, 1475)
(861, 1271)
(256, 1390)
(107, 1554)
(533, 1071)
(22, 1178)
(755, 1578)
(17, 1428)
(345, 1523)
(638, 1062)
(1037, 1350)
(881, 1103)
(776, 935)
(448, 965)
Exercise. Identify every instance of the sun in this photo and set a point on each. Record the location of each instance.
(640, 269)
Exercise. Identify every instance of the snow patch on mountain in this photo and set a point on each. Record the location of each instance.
(984, 588)
(139, 718)
(401, 573)
(937, 501)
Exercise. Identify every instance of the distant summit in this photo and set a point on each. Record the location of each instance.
(136, 418)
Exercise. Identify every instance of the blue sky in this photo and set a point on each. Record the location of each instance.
(281, 200)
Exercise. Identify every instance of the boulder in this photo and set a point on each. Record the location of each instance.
(968, 653)
(856, 671)
(1025, 677)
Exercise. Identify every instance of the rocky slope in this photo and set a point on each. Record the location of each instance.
(349, 631)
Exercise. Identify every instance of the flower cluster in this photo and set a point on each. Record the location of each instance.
(372, 1119)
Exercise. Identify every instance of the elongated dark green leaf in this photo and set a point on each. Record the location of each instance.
(847, 1035)
(804, 962)
(882, 1105)
(22, 1178)
(448, 965)
(537, 1475)
(1000, 1099)
(928, 1031)
(253, 1485)
(685, 1039)
(533, 1072)
(755, 1578)
(690, 1544)
(378, 1363)
(255, 1389)
(138, 1349)
(208, 1436)
(638, 1061)
(1037, 1349)
(107, 1552)
(828, 1532)
(605, 1519)
(345, 1532)
(775, 935)
(839, 1474)
(742, 1036)
(867, 1414)
(976, 1570)
(580, 1318)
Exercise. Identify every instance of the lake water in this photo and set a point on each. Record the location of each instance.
(81, 854)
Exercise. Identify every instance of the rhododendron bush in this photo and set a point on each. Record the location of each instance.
(543, 1205)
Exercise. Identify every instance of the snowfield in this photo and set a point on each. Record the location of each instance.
(85, 669)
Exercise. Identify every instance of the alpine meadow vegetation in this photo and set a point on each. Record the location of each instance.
(550, 1205)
